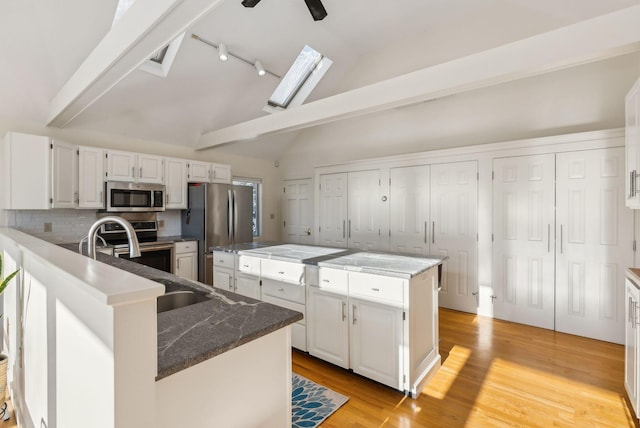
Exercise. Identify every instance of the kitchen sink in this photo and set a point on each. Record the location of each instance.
(179, 299)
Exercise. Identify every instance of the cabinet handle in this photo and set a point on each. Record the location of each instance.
(344, 311)
(630, 306)
(133, 172)
(281, 289)
(560, 239)
(635, 314)
(349, 228)
(140, 173)
(425, 232)
(178, 263)
(280, 273)
(549, 238)
(245, 266)
(100, 198)
(343, 230)
(325, 280)
(375, 289)
(632, 180)
(433, 232)
(354, 314)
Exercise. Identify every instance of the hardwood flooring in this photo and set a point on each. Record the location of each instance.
(494, 374)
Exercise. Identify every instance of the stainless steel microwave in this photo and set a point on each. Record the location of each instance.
(134, 197)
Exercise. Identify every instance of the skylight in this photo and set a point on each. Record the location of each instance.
(302, 77)
(123, 6)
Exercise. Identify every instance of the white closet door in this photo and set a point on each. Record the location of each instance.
(363, 225)
(409, 209)
(523, 250)
(595, 239)
(298, 211)
(333, 210)
(454, 229)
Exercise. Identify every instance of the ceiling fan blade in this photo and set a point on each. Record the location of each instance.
(317, 9)
(250, 3)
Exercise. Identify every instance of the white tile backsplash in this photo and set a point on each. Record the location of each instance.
(69, 225)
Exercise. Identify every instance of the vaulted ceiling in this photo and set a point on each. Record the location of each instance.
(43, 44)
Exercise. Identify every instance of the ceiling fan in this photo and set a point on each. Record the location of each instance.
(315, 7)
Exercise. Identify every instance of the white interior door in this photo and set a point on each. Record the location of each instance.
(523, 250)
(595, 243)
(454, 232)
(298, 211)
(409, 209)
(363, 224)
(333, 210)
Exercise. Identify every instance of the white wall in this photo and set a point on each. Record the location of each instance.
(240, 166)
(585, 98)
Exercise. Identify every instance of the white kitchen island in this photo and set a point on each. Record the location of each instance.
(88, 349)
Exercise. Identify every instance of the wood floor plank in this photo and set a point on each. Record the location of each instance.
(494, 374)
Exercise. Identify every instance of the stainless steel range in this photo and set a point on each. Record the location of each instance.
(154, 253)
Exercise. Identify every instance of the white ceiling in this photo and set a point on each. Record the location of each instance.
(43, 43)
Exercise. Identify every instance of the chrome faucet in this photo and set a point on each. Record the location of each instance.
(134, 247)
(83, 240)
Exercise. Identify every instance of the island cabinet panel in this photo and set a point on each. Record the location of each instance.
(631, 354)
(248, 285)
(328, 326)
(283, 271)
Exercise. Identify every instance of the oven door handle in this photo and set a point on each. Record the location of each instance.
(145, 249)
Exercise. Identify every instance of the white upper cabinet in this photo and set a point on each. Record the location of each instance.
(64, 168)
(205, 172)
(134, 167)
(27, 176)
(632, 145)
(90, 177)
(175, 180)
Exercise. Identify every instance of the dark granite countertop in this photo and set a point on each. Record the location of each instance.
(195, 333)
(176, 238)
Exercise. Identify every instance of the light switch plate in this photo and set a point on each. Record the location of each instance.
(48, 227)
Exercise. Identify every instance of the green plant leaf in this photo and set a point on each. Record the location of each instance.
(6, 281)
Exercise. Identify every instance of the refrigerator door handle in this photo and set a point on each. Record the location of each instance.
(229, 216)
(235, 215)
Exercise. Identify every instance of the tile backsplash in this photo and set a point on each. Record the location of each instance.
(61, 226)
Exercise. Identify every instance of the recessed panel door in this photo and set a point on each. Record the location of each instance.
(523, 247)
(298, 211)
(594, 243)
(409, 209)
(333, 210)
(363, 224)
(454, 229)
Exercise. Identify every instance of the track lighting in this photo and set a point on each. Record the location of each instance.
(222, 52)
(315, 7)
(250, 3)
(260, 68)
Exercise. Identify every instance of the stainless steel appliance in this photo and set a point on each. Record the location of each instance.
(134, 197)
(159, 255)
(217, 214)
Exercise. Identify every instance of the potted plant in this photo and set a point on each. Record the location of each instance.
(4, 359)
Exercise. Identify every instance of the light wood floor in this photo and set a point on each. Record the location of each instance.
(493, 374)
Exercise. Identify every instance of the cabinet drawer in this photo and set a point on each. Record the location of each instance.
(249, 264)
(334, 279)
(283, 290)
(223, 259)
(376, 287)
(285, 304)
(186, 247)
(283, 271)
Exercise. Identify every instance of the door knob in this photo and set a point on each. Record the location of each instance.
(309, 231)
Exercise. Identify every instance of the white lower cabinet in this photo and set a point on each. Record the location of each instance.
(248, 285)
(224, 270)
(384, 328)
(631, 356)
(186, 260)
(290, 296)
(328, 326)
(376, 341)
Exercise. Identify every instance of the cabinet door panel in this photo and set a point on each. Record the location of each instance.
(248, 285)
(176, 183)
(198, 172)
(298, 211)
(149, 169)
(632, 301)
(91, 177)
(409, 209)
(523, 250)
(594, 245)
(333, 210)
(27, 188)
(223, 278)
(363, 225)
(121, 166)
(376, 339)
(454, 228)
(186, 266)
(64, 192)
(328, 327)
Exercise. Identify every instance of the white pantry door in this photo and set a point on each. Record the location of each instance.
(595, 243)
(409, 209)
(363, 224)
(298, 211)
(454, 232)
(333, 210)
(523, 247)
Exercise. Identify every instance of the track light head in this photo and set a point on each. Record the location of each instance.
(250, 3)
(223, 54)
(317, 9)
(259, 68)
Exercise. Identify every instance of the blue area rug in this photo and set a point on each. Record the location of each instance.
(312, 403)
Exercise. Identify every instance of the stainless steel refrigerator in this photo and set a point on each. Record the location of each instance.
(217, 214)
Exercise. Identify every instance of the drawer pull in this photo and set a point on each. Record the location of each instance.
(325, 280)
(280, 273)
(375, 289)
(220, 261)
(281, 289)
(245, 266)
